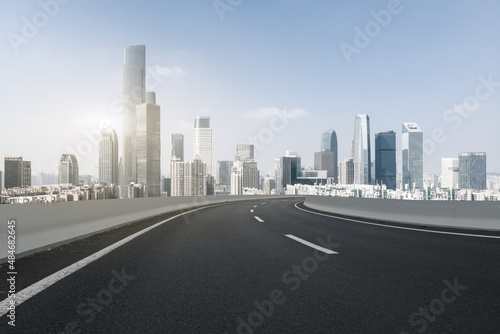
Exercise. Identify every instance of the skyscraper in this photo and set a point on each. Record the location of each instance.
(385, 159)
(472, 171)
(188, 178)
(288, 169)
(108, 157)
(202, 141)
(327, 158)
(346, 171)
(449, 173)
(250, 175)
(148, 145)
(178, 146)
(413, 156)
(362, 150)
(134, 93)
(223, 172)
(68, 170)
(244, 152)
(17, 172)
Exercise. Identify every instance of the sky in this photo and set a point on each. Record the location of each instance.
(275, 73)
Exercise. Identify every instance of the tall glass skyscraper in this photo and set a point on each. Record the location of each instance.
(178, 146)
(385, 159)
(149, 145)
(108, 157)
(362, 150)
(134, 93)
(202, 141)
(413, 156)
(472, 171)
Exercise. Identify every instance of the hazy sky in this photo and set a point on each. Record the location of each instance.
(314, 63)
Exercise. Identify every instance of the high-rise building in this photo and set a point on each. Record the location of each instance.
(327, 158)
(250, 174)
(268, 186)
(287, 171)
(148, 146)
(449, 173)
(385, 159)
(188, 178)
(17, 172)
(108, 157)
(346, 171)
(472, 170)
(68, 170)
(202, 141)
(178, 146)
(237, 178)
(413, 156)
(134, 93)
(1, 184)
(223, 172)
(244, 152)
(362, 150)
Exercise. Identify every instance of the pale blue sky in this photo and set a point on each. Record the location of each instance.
(265, 55)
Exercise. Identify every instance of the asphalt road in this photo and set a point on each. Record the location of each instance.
(222, 270)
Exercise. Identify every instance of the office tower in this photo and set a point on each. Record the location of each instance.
(134, 93)
(178, 146)
(472, 171)
(108, 157)
(166, 184)
(250, 174)
(148, 145)
(326, 161)
(68, 170)
(17, 172)
(177, 177)
(237, 178)
(244, 152)
(1, 183)
(346, 171)
(188, 178)
(413, 156)
(362, 150)
(223, 172)
(449, 173)
(287, 171)
(385, 159)
(198, 178)
(26, 178)
(268, 186)
(202, 141)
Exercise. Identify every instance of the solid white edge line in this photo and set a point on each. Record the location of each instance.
(398, 227)
(258, 219)
(310, 244)
(43, 284)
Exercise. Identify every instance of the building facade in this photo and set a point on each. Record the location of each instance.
(362, 150)
(134, 93)
(148, 146)
(346, 172)
(223, 172)
(385, 159)
(472, 170)
(108, 157)
(178, 146)
(449, 173)
(287, 171)
(202, 141)
(17, 172)
(413, 156)
(68, 170)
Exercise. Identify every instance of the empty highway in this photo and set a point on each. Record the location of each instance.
(260, 267)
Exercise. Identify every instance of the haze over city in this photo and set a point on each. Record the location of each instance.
(240, 65)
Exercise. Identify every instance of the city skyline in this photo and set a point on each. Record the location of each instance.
(193, 78)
